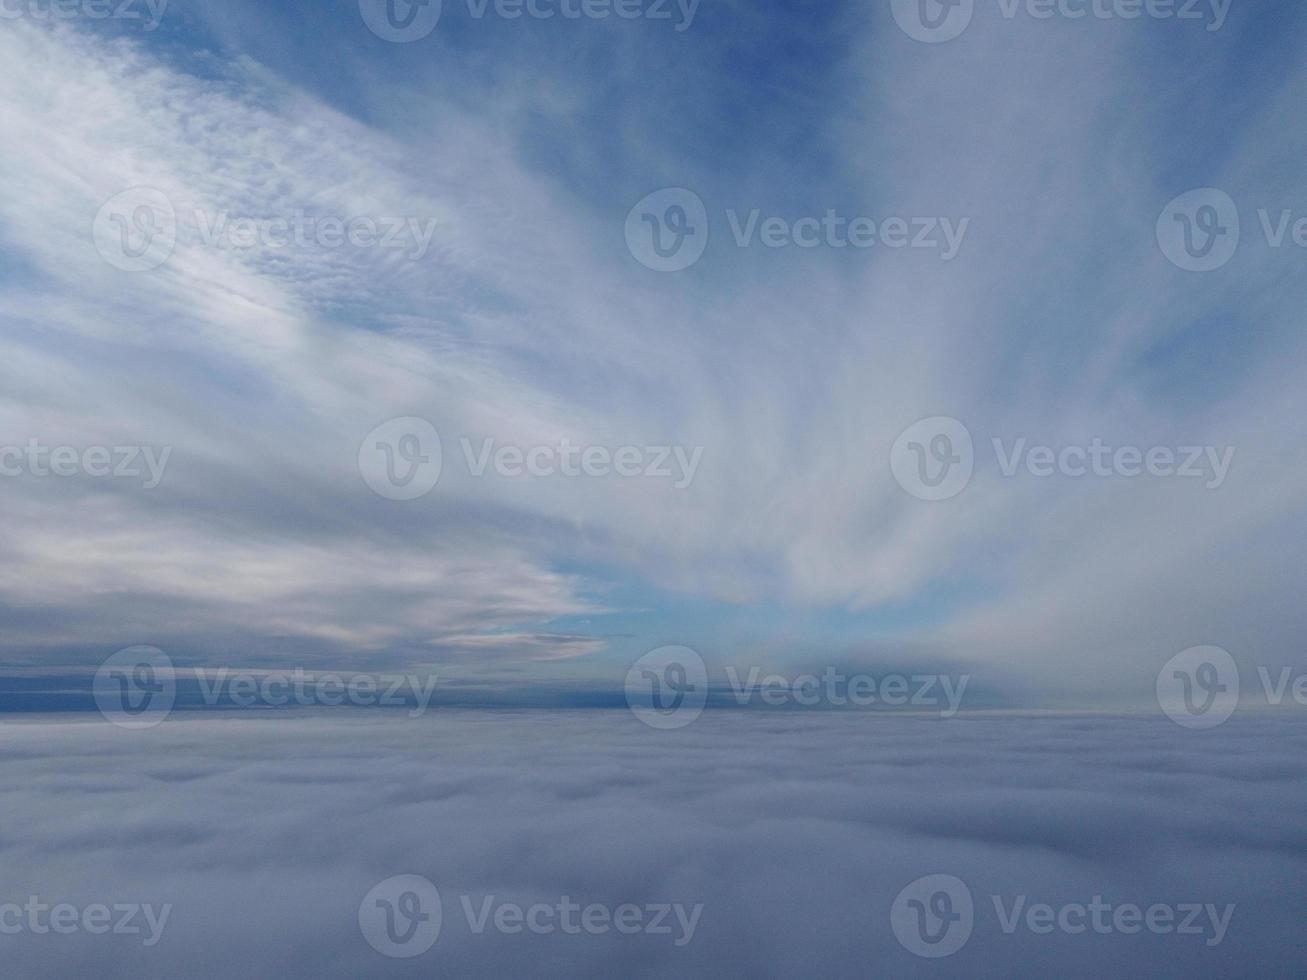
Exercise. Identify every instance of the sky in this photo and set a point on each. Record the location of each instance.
(874, 231)
(825, 477)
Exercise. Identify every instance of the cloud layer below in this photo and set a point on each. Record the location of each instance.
(796, 834)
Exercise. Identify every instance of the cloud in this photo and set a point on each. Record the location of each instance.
(265, 834)
(1059, 321)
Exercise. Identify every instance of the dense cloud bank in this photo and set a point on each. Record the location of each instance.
(794, 832)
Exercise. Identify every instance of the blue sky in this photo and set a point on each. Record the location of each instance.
(527, 319)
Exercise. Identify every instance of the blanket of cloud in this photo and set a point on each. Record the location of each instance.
(796, 833)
